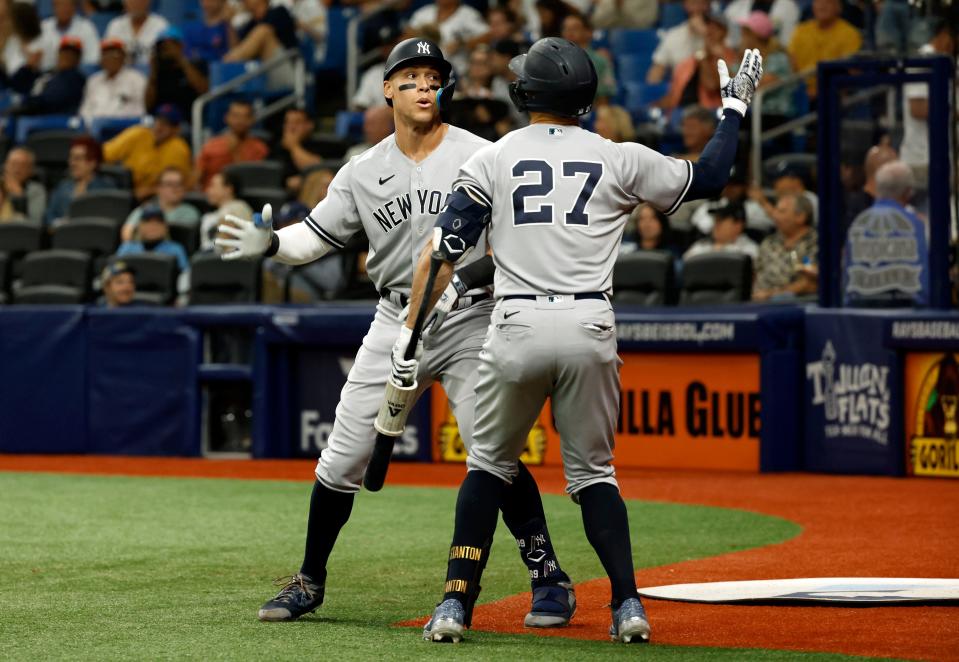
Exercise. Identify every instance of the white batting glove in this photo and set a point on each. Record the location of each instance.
(738, 91)
(403, 369)
(447, 302)
(246, 239)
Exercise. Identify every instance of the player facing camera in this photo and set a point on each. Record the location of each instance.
(418, 82)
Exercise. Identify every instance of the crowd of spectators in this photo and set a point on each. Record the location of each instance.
(141, 66)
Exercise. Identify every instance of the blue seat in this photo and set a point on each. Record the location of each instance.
(44, 8)
(222, 72)
(640, 95)
(625, 42)
(101, 19)
(337, 19)
(104, 128)
(633, 68)
(178, 12)
(27, 125)
(349, 124)
(671, 14)
(89, 69)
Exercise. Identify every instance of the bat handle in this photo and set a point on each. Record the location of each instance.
(375, 475)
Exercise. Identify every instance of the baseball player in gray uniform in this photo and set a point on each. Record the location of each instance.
(393, 192)
(553, 199)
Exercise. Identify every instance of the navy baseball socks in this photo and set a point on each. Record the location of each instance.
(554, 600)
(303, 592)
(607, 529)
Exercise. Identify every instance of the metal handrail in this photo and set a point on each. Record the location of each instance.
(255, 70)
(355, 59)
(756, 128)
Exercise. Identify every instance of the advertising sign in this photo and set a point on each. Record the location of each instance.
(931, 402)
(692, 411)
(850, 423)
(321, 375)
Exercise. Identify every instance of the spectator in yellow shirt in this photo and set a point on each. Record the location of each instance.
(147, 151)
(825, 37)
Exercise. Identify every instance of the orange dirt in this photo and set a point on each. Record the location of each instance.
(852, 526)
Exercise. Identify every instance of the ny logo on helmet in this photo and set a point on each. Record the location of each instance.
(423, 48)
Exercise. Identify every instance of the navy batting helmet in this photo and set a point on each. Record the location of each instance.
(411, 52)
(556, 76)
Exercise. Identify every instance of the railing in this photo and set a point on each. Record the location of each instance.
(254, 70)
(355, 60)
(758, 136)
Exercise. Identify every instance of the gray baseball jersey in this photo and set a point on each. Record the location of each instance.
(560, 198)
(395, 200)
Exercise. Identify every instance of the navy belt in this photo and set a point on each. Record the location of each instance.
(462, 302)
(577, 297)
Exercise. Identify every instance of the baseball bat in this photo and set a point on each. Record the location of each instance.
(379, 464)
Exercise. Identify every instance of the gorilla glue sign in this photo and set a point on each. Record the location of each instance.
(932, 414)
(689, 411)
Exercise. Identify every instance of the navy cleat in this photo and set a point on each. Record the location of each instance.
(447, 622)
(630, 625)
(553, 606)
(298, 596)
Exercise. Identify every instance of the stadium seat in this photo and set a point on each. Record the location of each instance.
(98, 237)
(104, 128)
(110, 203)
(633, 42)
(716, 278)
(121, 176)
(4, 277)
(156, 275)
(178, 12)
(639, 95)
(198, 200)
(257, 174)
(101, 19)
(30, 124)
(647, 278)
(671, 14)
(257, 197)
(51, 149)
(54, 276)
(337, 19)
(633, 67)
(213, 280)
(18, 239)
(349, 125)
(223, 72)
(187, 236)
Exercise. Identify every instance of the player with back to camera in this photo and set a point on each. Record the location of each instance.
(556, 198)
(393, 192)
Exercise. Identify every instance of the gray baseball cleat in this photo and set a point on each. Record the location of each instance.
(630, 625)
(553, 606)
(298, 596)
(446, 624)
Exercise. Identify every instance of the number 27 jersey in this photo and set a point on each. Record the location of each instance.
(560, 198)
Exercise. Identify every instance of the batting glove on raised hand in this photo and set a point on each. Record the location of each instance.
(738, 91)
(246, 239)
(403, 369)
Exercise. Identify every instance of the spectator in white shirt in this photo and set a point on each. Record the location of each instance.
(66, 23)
(116, 91)
(681, 42)
(138, 28)
(457, 23)
(728, 235)
(22, 46)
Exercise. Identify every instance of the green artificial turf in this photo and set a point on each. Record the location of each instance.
(150, 568)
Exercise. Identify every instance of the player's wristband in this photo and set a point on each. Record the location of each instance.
(732, 103)
(274, 245)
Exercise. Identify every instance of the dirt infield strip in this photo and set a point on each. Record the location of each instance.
(852, 526)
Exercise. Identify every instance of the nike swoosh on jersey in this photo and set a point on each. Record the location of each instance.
(506, 316)
(383, 181)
